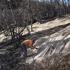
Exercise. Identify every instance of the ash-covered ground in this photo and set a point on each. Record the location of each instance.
(53, 40)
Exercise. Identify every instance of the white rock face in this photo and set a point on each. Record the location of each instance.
(50, 46)
(55, 45)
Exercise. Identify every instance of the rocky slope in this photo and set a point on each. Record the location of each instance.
(53, 40)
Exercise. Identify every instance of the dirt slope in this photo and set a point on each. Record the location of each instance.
(53, 40)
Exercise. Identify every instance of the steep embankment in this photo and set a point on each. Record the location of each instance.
(53, 40)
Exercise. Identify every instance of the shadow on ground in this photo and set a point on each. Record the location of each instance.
(47, 32)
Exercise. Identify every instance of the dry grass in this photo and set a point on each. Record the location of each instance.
(62, 64)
